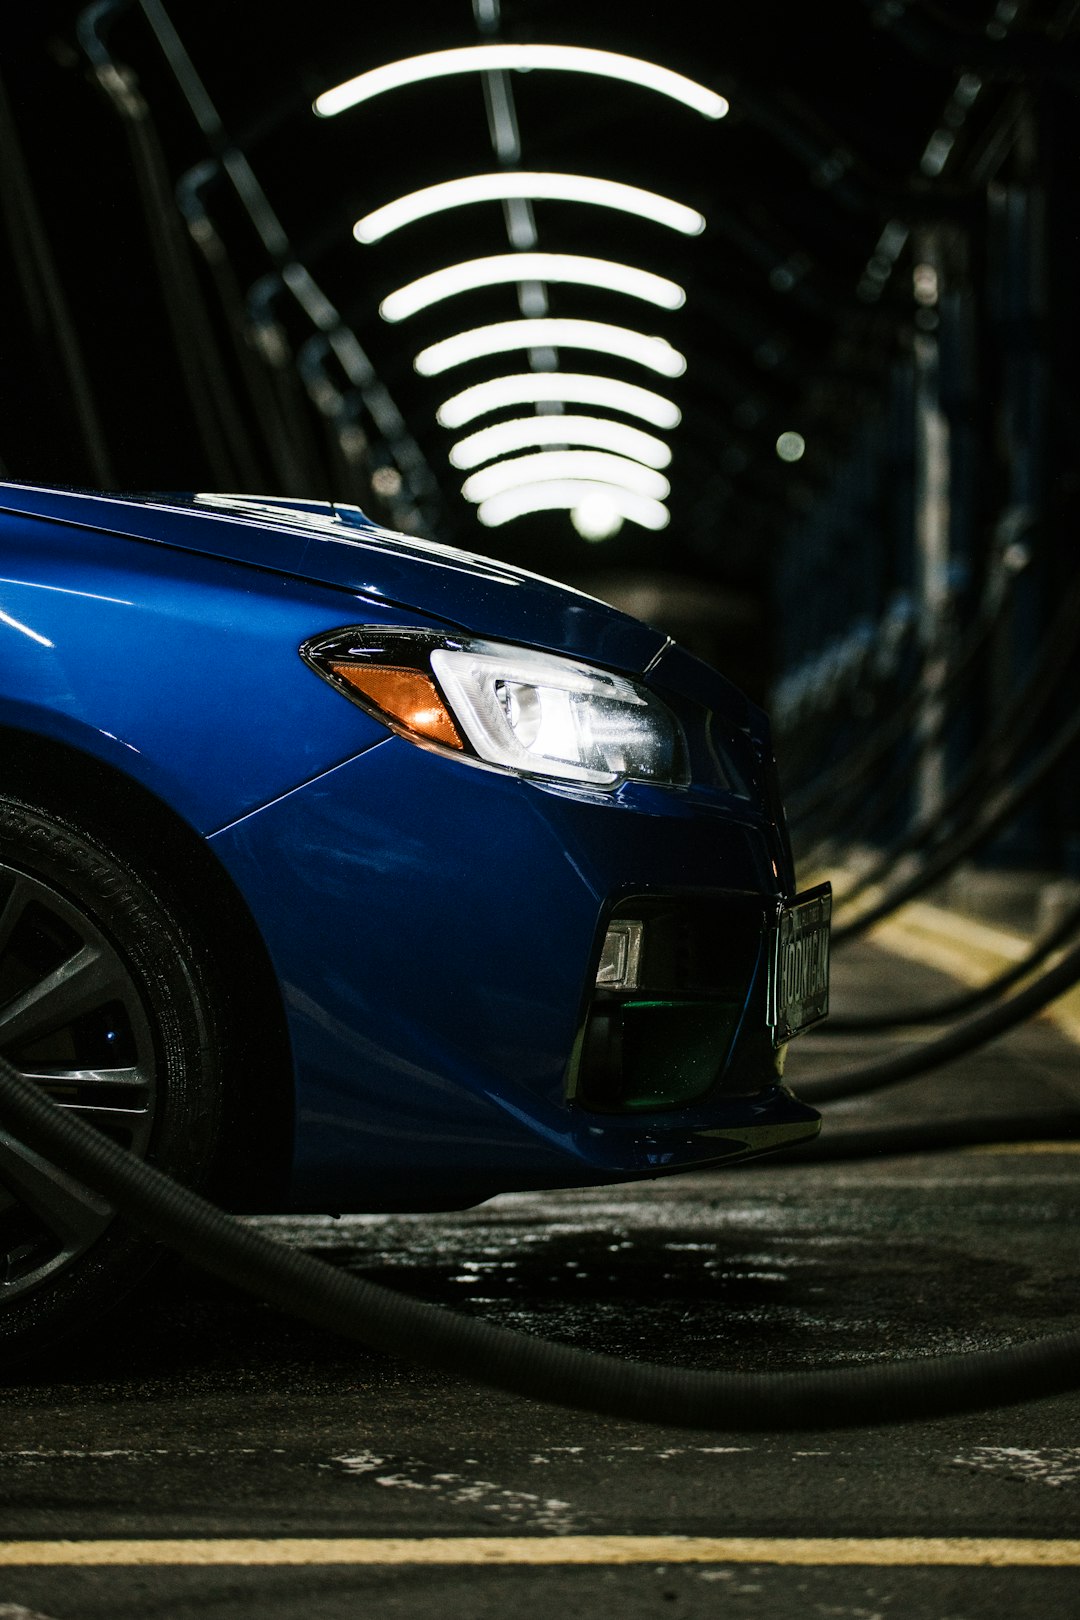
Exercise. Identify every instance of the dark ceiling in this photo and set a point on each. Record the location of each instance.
(849, 123)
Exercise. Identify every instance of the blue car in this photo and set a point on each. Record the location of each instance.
(341, 871)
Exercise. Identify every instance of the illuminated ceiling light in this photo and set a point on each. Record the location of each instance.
(596, 517)
(509, 267)
(555, 332)
(567, 496)
(540, 387)
(508, 185)
(503, 438)
(582, 466)
(504, 58)
(791, 447)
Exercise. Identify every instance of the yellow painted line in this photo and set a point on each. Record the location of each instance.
(988, 1552)
(963, 933)
(967, 950)
(1024, 1147)
(944, 940)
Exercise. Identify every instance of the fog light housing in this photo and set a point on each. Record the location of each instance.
(620, 955)
(672, 986)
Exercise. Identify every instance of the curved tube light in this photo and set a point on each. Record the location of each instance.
(509, 267)
(580, 466)
(566, 495)
(525, 432)
(509, 185)
(504, 58)
(538, 387)
(546, 331)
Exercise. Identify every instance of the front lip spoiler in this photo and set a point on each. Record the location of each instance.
(728, 1143)
(624, 1147)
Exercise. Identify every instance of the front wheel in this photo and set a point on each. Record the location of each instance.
(107, 1001)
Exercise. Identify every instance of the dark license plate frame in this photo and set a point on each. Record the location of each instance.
(799, 963)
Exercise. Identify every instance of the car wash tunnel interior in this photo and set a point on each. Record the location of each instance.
(758, 324)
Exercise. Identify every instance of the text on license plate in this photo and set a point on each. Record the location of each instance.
(799, 965)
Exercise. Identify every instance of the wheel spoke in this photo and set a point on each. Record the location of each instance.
(70, 1211)
(12, 908)
(132, 1121)
(75, 1021)
(112, 1099)
(86, 981)
(124, 1088)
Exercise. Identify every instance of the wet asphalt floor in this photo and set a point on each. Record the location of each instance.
(206, 1414)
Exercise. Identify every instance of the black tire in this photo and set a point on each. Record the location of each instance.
(107, 999)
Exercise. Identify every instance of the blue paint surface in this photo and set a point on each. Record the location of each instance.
(434, 925)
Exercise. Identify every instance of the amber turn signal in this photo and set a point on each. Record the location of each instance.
(408, 698)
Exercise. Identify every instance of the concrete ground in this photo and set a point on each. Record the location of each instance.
(293, 1474)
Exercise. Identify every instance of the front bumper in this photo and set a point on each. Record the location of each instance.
(436, 929)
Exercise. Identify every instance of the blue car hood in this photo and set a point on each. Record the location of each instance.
(338, 546)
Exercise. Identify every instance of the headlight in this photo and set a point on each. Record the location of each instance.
(530, 712)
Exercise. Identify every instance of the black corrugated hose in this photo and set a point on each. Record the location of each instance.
(964, 1001)
(516, 1363)
(985, 767)
(1002, 809)
(863, 1142)
(963, 1037)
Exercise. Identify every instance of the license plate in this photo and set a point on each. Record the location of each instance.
(799, 965)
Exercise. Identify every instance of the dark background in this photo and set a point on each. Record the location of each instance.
(890, 269)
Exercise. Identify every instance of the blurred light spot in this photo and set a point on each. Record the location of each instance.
(596, 517)
(892, 239)
(925, 284)
(1004, 13)
(791, 447)
(937, 152)
(832, 168)
(532, 298)
(386, 481)
(353, 441)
